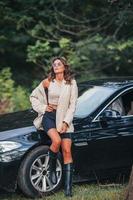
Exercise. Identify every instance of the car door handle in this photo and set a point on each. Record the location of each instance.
(86, 126)
(81, 144)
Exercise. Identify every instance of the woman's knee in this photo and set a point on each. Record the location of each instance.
(56, 141)
(66, 149)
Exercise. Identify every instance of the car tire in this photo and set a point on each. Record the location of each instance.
(33, 175)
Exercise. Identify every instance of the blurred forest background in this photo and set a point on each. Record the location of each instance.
(95, 36)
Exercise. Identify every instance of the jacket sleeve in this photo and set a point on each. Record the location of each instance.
(37, 105)
(73, 101)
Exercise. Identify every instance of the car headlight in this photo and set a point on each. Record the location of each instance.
(8, 146)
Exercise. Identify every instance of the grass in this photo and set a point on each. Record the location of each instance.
(80, 192)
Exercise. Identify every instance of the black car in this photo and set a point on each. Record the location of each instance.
(102, 142)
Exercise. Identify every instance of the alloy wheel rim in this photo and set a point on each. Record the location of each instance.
(39, 174)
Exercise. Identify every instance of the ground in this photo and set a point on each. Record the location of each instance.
(80, 192)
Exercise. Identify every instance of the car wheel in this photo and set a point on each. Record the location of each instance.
(33, 176)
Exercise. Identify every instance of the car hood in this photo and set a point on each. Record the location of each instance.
(16, 120)
(19, 123)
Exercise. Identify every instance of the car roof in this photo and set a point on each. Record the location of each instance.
(115, 82)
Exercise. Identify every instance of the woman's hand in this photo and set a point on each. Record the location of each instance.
(64, 127)
(49, 108)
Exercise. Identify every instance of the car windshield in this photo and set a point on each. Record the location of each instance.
(90, 99)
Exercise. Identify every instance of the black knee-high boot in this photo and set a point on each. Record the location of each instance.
(52, 166)
(68, 173)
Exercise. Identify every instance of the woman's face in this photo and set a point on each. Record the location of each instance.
(58, 66)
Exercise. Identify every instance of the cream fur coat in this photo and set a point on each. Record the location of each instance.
(66, 105)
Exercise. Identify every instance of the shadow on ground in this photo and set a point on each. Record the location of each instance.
(10, 195)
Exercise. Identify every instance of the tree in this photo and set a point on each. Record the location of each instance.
(97, 36)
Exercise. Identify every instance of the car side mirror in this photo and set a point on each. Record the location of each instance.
(108, 115)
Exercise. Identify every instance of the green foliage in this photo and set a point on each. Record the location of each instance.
(64, 43)
(6, 84)
(121, 45)
(38, 51)
(41, 52)
(82, 31)
(95, 36)
(12, 98)
(20, 99)
(98, 56)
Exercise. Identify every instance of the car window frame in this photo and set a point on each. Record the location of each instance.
(117, 96)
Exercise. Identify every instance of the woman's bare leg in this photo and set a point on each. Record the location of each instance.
(55, 138)
(66, 144)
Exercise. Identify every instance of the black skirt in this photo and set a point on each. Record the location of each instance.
(49, 120)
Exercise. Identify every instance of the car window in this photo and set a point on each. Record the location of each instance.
(118, 106)
(127, 99)
(123, 104)
(91, 99)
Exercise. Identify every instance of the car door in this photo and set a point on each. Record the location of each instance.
(103, 151)
(112, 144)
(81, 151)
(100, 150)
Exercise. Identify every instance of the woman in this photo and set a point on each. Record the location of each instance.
(55, 115)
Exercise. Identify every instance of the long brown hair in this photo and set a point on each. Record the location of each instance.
(68, 74)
